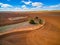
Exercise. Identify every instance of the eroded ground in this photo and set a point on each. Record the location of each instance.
(49, 34)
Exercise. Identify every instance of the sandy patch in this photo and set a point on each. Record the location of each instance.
(25, 26)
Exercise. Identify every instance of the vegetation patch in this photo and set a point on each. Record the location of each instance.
(36, 20)
(32, 21)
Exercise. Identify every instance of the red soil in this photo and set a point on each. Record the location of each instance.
(47, 35)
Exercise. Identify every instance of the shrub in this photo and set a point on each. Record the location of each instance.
(36, 17)
(32, 22)
(40, 21)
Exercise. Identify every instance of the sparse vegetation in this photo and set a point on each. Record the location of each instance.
(32, 21)
(36, 20)
(36, 17)
(40, 21)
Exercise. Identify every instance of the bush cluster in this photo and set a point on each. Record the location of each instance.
(40, 21)
(32, 21)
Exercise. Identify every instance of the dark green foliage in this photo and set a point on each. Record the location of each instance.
(40, 21)
(36, 20)
(32, 22)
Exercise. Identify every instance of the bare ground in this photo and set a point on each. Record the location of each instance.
(47, 35)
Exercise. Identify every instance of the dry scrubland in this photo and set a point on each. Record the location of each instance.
(49, 34)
